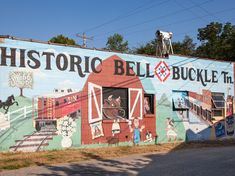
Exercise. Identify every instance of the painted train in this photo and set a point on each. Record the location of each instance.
(54, 106)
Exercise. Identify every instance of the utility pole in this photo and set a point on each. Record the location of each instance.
(84, 38)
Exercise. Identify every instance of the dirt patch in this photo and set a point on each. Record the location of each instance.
(10, 161)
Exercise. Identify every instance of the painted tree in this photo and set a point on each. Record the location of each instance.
(21, 80)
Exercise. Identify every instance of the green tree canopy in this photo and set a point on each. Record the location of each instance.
(148, 49)
(186, 47)
(217, 41)
(116, 43)
(62, 40)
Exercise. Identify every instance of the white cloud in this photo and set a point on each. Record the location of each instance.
(66, 84)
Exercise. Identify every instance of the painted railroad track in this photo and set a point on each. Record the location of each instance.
(35, 141)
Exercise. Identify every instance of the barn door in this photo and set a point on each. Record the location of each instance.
(135, 103)
(94, 102)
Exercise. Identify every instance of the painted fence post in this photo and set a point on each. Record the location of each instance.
(24, 111)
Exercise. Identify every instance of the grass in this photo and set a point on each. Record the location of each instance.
(10, 161)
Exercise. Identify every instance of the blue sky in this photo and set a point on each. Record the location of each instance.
(136, 20)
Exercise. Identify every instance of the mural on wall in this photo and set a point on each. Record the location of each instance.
(66, 127)
(230, 125)
(229, 121)
(114, 103)
(56, 97)
(170, 130)
(21, 80)
(148, 136)
(220, 129)
(96, 130)
(116, 127)
(136, 130)
(10, 101)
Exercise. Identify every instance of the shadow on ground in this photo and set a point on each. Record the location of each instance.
(195, 161)
(98, 166)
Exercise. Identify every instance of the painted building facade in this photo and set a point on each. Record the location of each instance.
(55, 97)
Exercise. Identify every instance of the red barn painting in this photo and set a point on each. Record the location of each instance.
(110, 104)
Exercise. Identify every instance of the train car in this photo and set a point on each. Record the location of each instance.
(56, 105)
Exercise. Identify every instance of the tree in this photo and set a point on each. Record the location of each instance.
(148, 49)
(186, 47)
(21, 80)
(217, 41)
(116, 43)
(62, 40)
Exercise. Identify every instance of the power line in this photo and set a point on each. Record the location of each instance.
(169, 24)
(190, 10)
(132, 12)
(155, 18)
(206, 11)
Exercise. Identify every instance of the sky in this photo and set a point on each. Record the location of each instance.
(136, 20)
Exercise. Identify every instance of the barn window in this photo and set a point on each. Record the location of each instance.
(115, 103)
(57, 103)
(148, 103)
(65, 100)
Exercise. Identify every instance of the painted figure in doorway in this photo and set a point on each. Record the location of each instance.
(147, 105)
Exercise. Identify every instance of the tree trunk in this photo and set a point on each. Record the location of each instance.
(21, 92)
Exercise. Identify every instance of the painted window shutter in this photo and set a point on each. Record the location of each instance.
(135, 103)
(94, 102)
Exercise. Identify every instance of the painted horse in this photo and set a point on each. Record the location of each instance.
(8, 103)
(112, 108)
